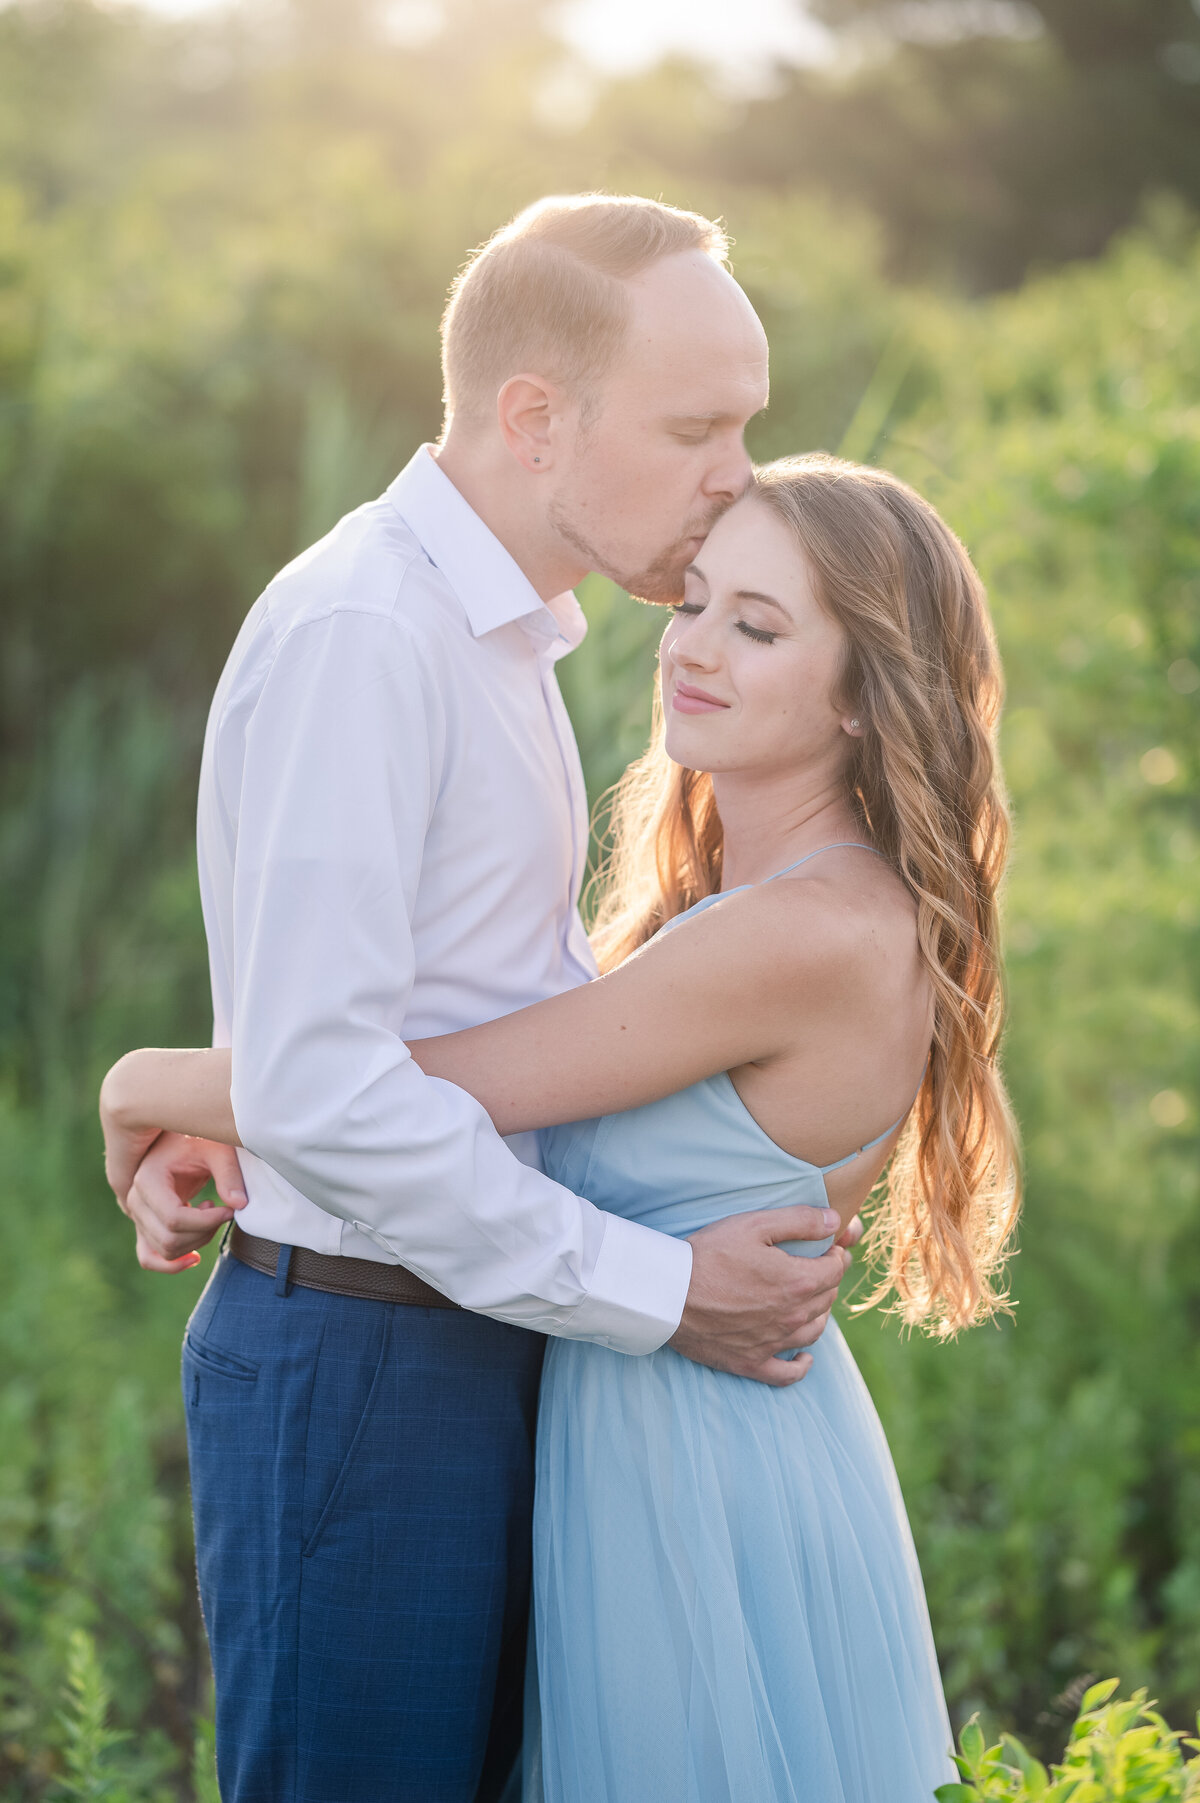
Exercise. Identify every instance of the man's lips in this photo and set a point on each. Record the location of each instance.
(687, 700)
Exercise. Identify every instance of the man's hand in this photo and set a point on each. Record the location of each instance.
(169, 1231)
(748, 1301)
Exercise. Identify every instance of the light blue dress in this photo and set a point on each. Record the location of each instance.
(728, 1607)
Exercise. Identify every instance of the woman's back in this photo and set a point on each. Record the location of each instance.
(682, 1162)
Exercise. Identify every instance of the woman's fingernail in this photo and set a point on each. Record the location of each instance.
(831, 1218)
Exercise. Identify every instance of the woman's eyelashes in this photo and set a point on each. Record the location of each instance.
(757, 633)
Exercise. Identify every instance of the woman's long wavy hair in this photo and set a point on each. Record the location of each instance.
(922, 674)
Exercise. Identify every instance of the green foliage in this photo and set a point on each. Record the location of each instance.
(1119, 1752)
(98, 1763)
(88, 1741)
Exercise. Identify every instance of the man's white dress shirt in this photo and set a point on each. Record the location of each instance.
(392, 832)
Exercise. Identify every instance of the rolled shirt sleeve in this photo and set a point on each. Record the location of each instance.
(343, 761)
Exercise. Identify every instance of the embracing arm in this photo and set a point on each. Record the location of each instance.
(174, 1089)
(696, 1002)
(739, 984)
(706, 997)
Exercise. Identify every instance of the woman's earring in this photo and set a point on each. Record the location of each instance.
(856, 724)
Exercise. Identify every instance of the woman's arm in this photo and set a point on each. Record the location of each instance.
(163, 1114)
(157, 1090)
(174, 1090)
(748, 979)
(740, 984)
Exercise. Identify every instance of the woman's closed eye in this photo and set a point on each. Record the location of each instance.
(757, 633)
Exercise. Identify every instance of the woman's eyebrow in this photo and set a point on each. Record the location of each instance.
(751, 594)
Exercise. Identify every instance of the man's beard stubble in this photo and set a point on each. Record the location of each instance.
(661, 582)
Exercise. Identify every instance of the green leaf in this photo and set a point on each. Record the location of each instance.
(956, 1793)
(1032, 1771)
(972, 1742)
(1096, 1694)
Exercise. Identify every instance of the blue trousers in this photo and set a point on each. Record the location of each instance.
(362, 1488)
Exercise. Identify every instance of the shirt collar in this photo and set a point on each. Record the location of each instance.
(490, 584)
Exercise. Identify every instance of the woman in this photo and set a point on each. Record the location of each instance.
(798, 936)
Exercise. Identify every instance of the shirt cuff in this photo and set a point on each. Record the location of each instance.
(638, 1288)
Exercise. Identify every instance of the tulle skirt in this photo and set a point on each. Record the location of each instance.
(728, 1607)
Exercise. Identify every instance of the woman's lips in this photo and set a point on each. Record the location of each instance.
(687, 700)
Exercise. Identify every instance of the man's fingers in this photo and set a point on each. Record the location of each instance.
(781, 1374)
(812, 1283)
(799, 1222)
(811, 1331)
(809, 1275)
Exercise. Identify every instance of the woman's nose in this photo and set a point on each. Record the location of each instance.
(693, 647)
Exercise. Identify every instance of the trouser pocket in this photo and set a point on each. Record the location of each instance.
(347, 1380)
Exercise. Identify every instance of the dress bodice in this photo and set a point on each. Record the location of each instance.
(683, 1162)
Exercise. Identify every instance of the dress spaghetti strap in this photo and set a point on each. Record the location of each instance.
(838, 845)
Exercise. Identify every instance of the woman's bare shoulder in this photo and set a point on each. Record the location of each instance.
(832, 929)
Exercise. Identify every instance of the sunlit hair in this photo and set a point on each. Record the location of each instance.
(545, 294)
(921, 672)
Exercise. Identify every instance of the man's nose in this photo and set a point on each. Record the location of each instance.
(729, 475)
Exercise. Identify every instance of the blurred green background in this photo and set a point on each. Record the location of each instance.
(224, 244)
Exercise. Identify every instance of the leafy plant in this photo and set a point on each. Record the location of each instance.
(1118, 1752)
(88, 1740)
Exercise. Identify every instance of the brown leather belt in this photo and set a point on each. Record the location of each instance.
(364, 1277)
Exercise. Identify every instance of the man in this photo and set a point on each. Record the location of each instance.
(392, 837)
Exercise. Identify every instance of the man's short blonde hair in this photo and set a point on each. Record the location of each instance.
(545, 293)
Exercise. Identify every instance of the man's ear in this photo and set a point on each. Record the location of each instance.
(527, 411)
